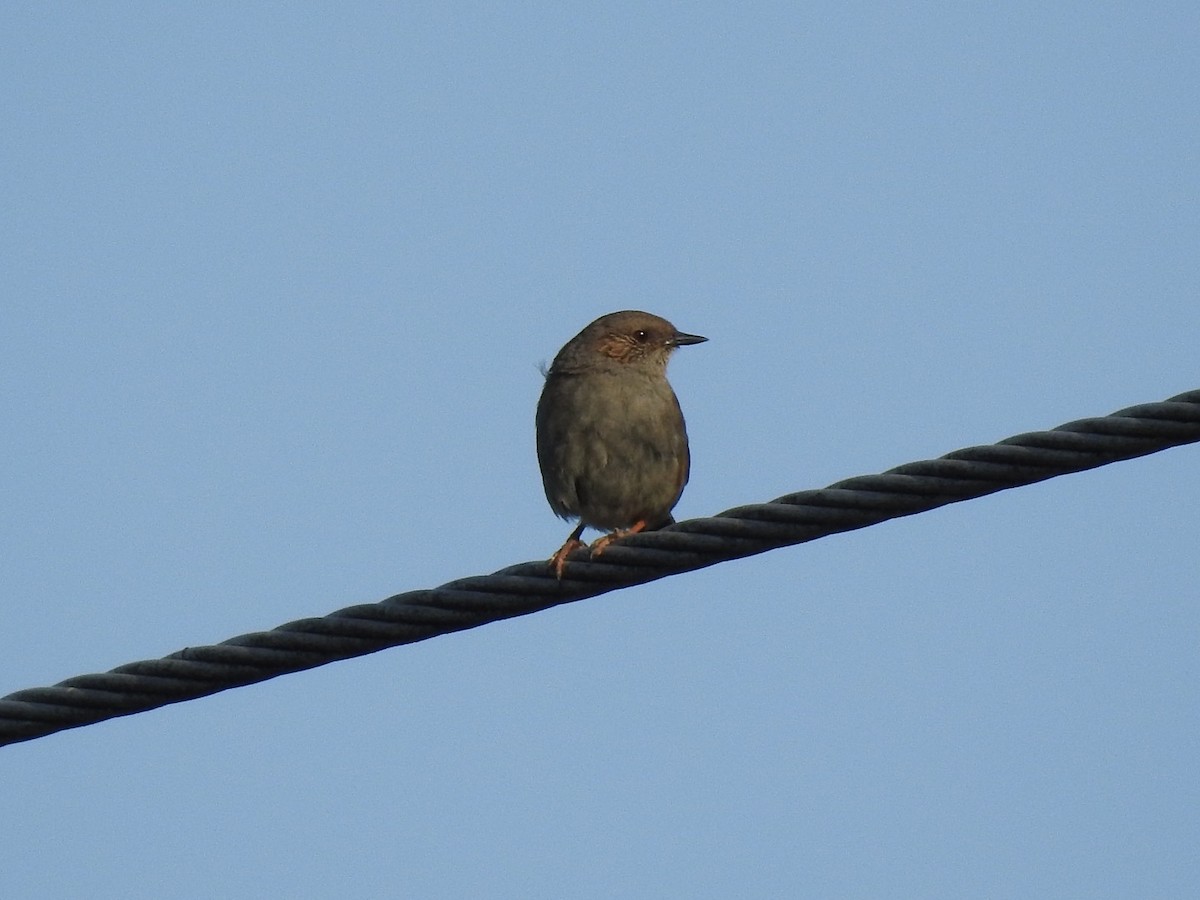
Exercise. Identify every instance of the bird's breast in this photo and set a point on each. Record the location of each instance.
(613, 449)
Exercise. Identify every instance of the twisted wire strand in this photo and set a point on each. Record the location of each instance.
(530, 587)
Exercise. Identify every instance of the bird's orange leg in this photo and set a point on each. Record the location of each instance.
(601, 544)
(559, 559)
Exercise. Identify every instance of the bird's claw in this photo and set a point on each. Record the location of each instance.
(601, 543)
(559, 559)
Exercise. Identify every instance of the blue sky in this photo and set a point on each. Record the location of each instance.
(278, 282)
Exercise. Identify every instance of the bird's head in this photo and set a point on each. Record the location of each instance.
(626, 338)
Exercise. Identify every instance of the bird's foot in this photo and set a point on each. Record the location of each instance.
(559, 559)
(601, 544)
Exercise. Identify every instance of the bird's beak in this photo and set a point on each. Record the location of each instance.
(682, 340)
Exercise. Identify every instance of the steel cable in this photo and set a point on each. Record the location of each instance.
(530, 587)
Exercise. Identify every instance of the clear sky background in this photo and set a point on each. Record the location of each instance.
(277, 279)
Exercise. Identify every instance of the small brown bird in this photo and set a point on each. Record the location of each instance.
(611, 441)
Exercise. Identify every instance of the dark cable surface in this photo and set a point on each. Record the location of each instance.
(530, 587)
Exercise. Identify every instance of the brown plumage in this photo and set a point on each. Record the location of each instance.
(611, 440)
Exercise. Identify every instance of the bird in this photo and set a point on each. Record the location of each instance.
(611, 440)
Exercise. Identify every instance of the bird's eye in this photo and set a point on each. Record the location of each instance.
(641, 336)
